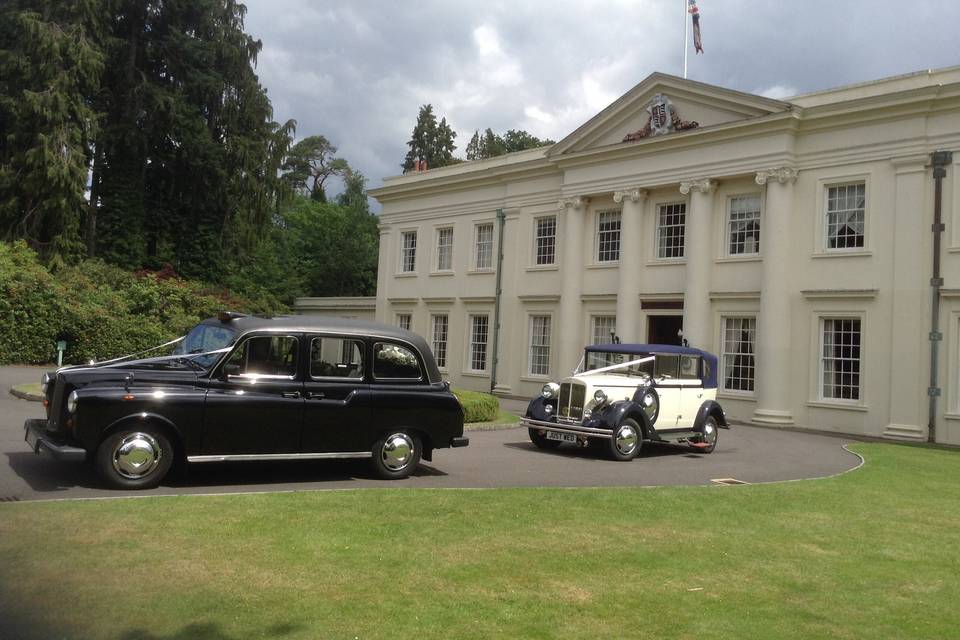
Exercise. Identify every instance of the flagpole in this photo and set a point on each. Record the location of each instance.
(686, 42)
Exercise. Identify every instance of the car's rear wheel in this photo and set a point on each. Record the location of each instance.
(396, 455)
(626, 441)
(134, 458)
(710, 435)
(540, 440)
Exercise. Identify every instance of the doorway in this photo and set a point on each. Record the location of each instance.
(663, 329)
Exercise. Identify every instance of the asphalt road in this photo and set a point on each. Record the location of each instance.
(493, 459)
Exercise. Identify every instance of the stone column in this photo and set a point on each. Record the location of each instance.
(772, 373)
(699, 256)
(385, 271)
(631, 255)
(571, 272)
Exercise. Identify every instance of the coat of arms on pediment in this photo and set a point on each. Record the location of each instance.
(663, 120)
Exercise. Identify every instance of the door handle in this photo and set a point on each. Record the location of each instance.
(316, 395)
(291, 394)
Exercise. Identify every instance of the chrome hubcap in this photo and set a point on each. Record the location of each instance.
(626, 439)
(650, 405)
(136, 455)
(397, 451)
(710, 433)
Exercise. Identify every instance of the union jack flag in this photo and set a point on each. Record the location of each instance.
(695, 13)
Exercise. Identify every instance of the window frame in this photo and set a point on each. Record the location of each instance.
(253, 377)
(721, 364)
(825, 216)
(438, 248)
(401, 267)
(404, 345)
(531, 319)
(323, 336)
(535, 263)
(404, 314)
(727, 240)
(475, 263)
(468, 364)
(446, 339)
(859, 401)
(598, 240)
(660, 206)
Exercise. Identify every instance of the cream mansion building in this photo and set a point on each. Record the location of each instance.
(796, 239)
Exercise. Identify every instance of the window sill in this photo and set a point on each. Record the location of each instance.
(480, 272)
(534, 378)
(751, 257)
(604, 265)
(733, 395)
(476, 374)
(841, 254)
(434, 274)
(405, 274)
(822, 404)
(544, 267)
(666, 262)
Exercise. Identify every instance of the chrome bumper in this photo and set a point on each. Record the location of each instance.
(567, 428)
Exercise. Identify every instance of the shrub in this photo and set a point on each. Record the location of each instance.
(478, 407)
(100, 310)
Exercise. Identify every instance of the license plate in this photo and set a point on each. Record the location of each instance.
(33, 440)
(562, 437)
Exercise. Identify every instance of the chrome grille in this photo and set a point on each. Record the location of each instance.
(571, 400)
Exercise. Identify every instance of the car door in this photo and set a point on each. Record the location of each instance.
(691, 390)
(337, 399)
(254, 403)
(669, 388)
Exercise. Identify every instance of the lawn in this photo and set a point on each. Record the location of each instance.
(874, 553)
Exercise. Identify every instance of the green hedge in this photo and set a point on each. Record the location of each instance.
(101, 311)
(478, 407)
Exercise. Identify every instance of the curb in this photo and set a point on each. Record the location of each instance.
(25, 395)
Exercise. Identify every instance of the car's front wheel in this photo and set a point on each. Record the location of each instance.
(396, 455)
(626, 441)
(134, 458)
(541, 441)
(710, 435)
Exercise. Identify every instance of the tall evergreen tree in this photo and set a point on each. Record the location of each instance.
(310, 163)
(49, 65)
(430, 142)
(491, 145)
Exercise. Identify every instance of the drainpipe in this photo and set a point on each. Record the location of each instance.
(940, 160)
(501, 219)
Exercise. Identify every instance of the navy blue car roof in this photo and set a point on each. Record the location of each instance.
(643, 349)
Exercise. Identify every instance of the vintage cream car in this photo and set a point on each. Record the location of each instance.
(623, 395)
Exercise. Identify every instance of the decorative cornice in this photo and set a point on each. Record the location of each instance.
(635, 195)
(576, 202)
(704, 185)
(734, 295)
(546, 297)
(781, 174)
(827, 294)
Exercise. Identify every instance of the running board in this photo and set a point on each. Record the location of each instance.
(244, 457)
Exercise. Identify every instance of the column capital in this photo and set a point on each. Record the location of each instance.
(780, 174)
(576, 202)
(634, 195)
(704, 185)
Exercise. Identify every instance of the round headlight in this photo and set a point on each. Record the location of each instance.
(550, 390)
(44, 382)
(600, 397)
(72, 402)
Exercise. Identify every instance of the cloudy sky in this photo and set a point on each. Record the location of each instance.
(357, 71)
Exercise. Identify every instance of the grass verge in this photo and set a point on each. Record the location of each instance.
(869, 554)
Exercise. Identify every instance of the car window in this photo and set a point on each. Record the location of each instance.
(336, 358)
(689, 368)
(395, 362)
(265, 356)
(667, 366)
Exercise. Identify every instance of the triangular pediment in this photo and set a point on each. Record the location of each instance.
(692, 101)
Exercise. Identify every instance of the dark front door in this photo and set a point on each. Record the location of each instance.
(255, 403)
(663, 329)
(337, 399)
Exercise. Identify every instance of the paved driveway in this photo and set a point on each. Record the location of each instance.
(493, 459)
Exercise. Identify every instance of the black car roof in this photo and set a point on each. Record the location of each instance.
(329, 324)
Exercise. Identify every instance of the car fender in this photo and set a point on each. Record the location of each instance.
(537, 409)
(710, 408)
(143, 418)
(611, 416)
